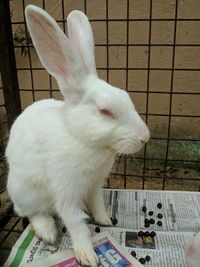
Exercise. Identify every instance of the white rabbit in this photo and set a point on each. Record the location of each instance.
(59, 152)
(192, 252)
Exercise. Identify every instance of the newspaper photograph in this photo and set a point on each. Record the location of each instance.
(112, 254)
(157, 245)
(164, 249)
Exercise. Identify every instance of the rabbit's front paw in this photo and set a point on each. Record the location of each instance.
(86, 257)
(103, 219)
(44, 228)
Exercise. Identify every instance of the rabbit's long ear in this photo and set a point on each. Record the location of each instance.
(80, 33)
(55, 51)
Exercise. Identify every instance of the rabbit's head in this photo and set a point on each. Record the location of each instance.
(96, 112)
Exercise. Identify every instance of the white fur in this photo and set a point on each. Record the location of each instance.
(44, 225)
(59, 152)
(192, 252)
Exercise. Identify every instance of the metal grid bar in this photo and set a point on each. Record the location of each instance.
(118, 68)
(171, 90)
(29, 54)
(123, 20)
(147, 92)
(197, 45)
(127, 77)
(107, 57)
(130, 91)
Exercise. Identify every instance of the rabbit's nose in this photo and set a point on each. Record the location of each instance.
(144, 134)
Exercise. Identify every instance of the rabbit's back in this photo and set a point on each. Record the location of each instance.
(29, 127)
(26, 154)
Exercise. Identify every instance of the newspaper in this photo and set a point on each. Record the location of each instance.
(108, 251)
(180, 210)
(166, 249)
(32, 252)
(181, 219)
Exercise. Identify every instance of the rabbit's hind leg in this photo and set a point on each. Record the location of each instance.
(44, 227)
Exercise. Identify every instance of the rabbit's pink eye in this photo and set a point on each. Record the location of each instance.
(106, 112)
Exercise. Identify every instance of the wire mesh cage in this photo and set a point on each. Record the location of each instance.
(151, 49)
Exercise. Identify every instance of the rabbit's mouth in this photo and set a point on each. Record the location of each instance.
(130, 147)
